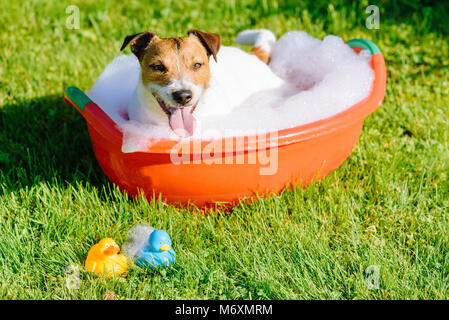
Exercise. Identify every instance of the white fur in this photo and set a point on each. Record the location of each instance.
(234, 78)
(258, 38)
(143, 106)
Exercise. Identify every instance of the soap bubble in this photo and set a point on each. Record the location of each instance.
(137, 238)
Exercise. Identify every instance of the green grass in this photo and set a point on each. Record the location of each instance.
(387, 205)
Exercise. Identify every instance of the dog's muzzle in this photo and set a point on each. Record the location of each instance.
(181, 118)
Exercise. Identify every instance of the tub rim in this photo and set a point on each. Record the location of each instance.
(106, 127)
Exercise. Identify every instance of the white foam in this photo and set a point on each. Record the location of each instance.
(324, 78)
(115, 86)
(137, 238)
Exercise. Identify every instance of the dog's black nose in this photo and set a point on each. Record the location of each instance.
(182, 96)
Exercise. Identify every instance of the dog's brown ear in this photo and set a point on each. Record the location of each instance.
(138, 42)
(210, 41)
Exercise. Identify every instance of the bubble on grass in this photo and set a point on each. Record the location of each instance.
(137, 239)
(322, 78)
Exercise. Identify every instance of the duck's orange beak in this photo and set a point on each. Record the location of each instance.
(111, 250)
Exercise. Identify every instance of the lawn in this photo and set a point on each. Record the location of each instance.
(386, 206)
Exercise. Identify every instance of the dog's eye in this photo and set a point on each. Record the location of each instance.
(158, 67)
(196, 66)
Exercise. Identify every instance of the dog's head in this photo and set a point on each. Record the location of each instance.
(176, 71)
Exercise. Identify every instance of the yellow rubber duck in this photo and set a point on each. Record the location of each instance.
(105, 260)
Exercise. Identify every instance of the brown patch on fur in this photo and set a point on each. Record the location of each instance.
(138, 42)
(210, 41)
(178, 56)
(261, 54)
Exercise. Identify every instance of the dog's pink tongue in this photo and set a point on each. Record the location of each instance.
(182, 122)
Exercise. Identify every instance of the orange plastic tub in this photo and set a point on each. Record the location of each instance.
(244, 167)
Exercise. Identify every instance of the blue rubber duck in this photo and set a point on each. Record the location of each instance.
(149, 248)
(158, 252)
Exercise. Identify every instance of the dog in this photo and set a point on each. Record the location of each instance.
(179, 84)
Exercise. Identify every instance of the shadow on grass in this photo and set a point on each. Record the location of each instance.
(424, 15)
(44, 140)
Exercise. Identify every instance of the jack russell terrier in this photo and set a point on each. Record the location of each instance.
(178, 81)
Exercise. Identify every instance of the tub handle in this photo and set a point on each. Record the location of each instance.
(364, 44)
(93, 114)
(78, 98)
